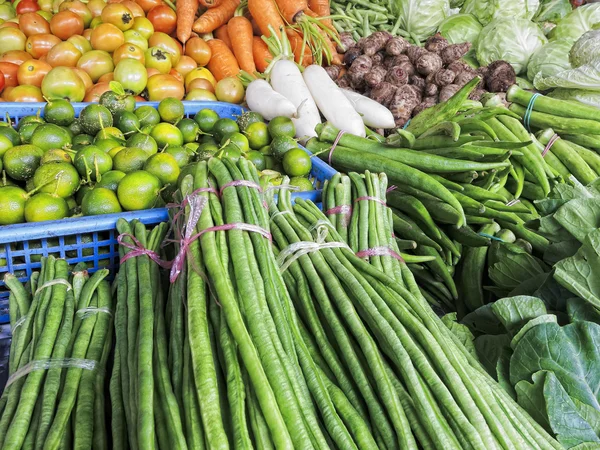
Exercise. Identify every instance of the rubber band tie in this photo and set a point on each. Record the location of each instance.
(550, 143)
(335, 144)
(344, 210)
(51, 363)
(529, 110)
(406, 124)
(393, 187)
(513, 202)
(54, 283)
(373, 199)
(84, 313)
(489, 236)
(379, 251)
(137, 249)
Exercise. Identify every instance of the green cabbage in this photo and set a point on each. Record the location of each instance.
(511, 40)
(421, 18)
(584, 77)
(552, 10)
(456, 3)
(488, 10)
(550, 59)
(578, 22)
(591, 98)
(460, 28)
(586, 49)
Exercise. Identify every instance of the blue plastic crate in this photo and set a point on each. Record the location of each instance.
(93, 239)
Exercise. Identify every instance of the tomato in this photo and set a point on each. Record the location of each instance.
(87, 80)
(79, 8)
(118, 15)
(136, 10)
(95, 22)
(200, 83)
(176, 74)
(132, 75)
(93, 94)
(11, 39)
(135, 38)
(129, 51)
(199, 72)
(106, 78)
(63, 54)
(62, 82)
(15, 56)
(65, 24)
(46, 6)
(107, 37)
(151, 71)
(163, 86)
(96, 63)
(40, 44)
(25, 94)
(198, 50)
(143, 26)
(6, 91)
(2, 82)
(147, 5)
(163, 18)
(32, 23)
(157, 58)
(87, 33)
(27, 6)
(168, 44)
(82, 44)
(185, 65)
(9, 25)
(10, 73)
(230, 90)
(32, 72)
(197, 95)
(7, 11)
(96, 7)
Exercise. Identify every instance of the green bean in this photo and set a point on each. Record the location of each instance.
(257, 421)
(29, 442)
(191, 408)
(19, 293)
(405, 230)
(468, 237)
(542, 120)
(118, 425)
(585, 140)
(100, 440)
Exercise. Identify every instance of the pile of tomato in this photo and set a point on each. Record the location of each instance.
(73, 49)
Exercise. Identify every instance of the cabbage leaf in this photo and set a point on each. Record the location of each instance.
(421, 18)
(591, 98)
(552, 10)
(585, 77)
(461, 28)
(578, 22)
(550, 59)
(488, 10)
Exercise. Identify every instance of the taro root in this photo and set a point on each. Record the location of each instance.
(403, 103)
(375, 76)
(378, 58)
(436, 43)
(427, 102)
(454, 52)
(383, 93)
(376, 42)
(463, 78)
(417, 81)
(476, 94)
(443, 77)
(333, 71)
(397, 76)
(396, 46)
(448, 91)
(428, 63)
(392, 61)
(414, 53)
(346, 41)
(351, 55)
(499, 76)
(460, 66)
(344, 82)
(431, 90)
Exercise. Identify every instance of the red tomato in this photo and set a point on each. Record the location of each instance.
(162, 86)
(10, 73)
(147, 5)
(27, 6)
(106, 78)
(96, 7)
(176, 75)
(107, 37)
(198, 50)
(40, 44)
(15, 56)
(78, 8)
(163, 18)
(135, 9)
(128, 51)
(185, 65)
(118, 15)
(2, 82)
(87, 80)
(65, 24)
(96, 63)
(93, 94)
(32, 23)
(168, 44)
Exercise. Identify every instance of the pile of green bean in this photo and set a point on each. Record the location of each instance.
(62, 338)
(364, 17)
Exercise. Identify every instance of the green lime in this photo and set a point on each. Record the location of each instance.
(206, 119)
(56, 155)
(110, 133)
(257, 158)
(83, 139)
(303, 184)
(164, 166)
(94, 117)
(231, 152)
(181, 155)
(166, 134)
(258, 135)
(282, 126)
(266, 150)
(171, 110)
(143, 141)
(115, 102)
(59, 112)
(297, 163)
(247, 118)
(44, 206)
(237, 139)
(93, 162)
(21, 162)
(75, 127)
(59, 179)
(189, 130)
(106, 145)
(48, 136)
(130, 159)
(206, 151)
(12, 205)
(113, 151)
(82, 192)
(138, 190)
(11, 134)
(29, 119)
(26, 132)
(147, 115)
(5, 144)
(110, 180)
(147, 129)
(127, 122)
(281, 144)
(100, 201)
(224, 127)
(72, 204)
(207, 139)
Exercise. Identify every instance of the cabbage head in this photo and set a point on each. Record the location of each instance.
(421, 18)
(488, 10)
(577, 23)
(552, 10)
(511, 40)
(586, 49)
(591, 98)
(550, 59)
(584, 77)
(456, 3)
(460, 28)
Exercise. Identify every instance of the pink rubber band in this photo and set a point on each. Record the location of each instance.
(391, 188)
(373, 199)
(550, 143)
(335, 143)
(246, 183)
(346, 210)
(137, 249)
(380, 251)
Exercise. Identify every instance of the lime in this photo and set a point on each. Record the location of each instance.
(164, 166)
(48, 136)
(147, 129)
(59, 112)
(181, 155)
(143, 141)
(207, 139)
(130, 159)
(166, 134)
(29, 119)
(282, 126)
(75, 127)
(72, 204)
(171, 110)
(303, 184)
(113, 151)
(21, 162)
(297, 163)
(206, 119)
(138, 190)
(206, 151)
(106, 145)
(237, 139)
(280, 145)
(110, 133)
(5, 144)
(94, 117)
(258, 135)
(11, 134)
(82, 192)
(257, 158)
(247, 118)
(110, 180)
(147, 115)
(44, 206)
(127, 122)
(26, 132)
(93, 162)
(223, 127)
(116, 102)
(231, 152)
(59, 179)
(12, 205)
(189, 130)
(83, 139)
(100, 201)
(56, 155)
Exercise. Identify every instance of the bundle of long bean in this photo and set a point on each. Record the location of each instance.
(62, 329)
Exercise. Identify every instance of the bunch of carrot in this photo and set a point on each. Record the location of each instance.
(249, 21)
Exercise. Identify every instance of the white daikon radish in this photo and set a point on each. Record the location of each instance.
(332, 102)
(373, 114)
(287, 79)
(263, 99)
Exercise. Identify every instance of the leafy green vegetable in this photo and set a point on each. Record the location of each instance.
(586, 49)
(489, 10)
(461, 28)
(584, 96)
(578, 22)
(460, 330)
(421, 18)
(585, 77)
(550, 59)
(579, 217)
(514, 312)
(552, 10)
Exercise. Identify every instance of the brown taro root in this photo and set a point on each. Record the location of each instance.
(375, 76)
(397, 76)
(376, 42)
(346, 41)
(454, 52)
(443, 77)
(476, 94)
(431, 90)
(428, 63)
(403, 104)
(417, 81)
(436, 43)
(396, 46)
(448, 91)
(351, 55)
(344, 82)
(378, 58)
(414, 53)
(360, 65)
(460, 66)
(333, 71)
(383, 93)
(499, 76)
(392, 61)
(427, 102)
(464, 77)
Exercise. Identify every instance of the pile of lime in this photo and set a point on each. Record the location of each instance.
(118, 157)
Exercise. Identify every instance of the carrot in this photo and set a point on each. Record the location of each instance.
(321, 8)
(222, 63)
(215, 17)
(223, 33)
(186, 12)
(262, 55)
(265, 13)
(295, 39)
(210, 3)
(291, 9)
(241, 28)
(255, 28)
